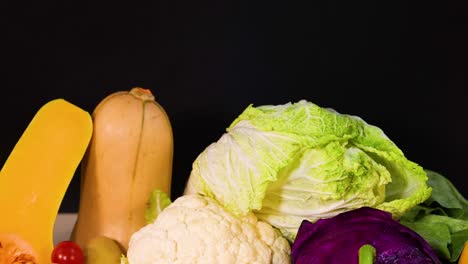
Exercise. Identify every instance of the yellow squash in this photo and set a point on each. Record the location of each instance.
(129, 156)
(35, 177)
(464, 254)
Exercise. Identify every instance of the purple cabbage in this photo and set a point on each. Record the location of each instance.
(338, 239)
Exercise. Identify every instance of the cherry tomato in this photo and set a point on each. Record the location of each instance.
(67, 252)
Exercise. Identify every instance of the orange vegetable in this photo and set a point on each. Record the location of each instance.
(464, 255)
(129, 156)
(35, 177)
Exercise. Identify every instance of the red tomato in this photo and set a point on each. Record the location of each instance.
(67, 252)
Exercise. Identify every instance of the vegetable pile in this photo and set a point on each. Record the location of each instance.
(292, 183)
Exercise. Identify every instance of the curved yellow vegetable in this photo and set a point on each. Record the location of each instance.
(35, 177)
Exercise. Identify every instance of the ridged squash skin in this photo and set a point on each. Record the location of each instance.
(130, 155)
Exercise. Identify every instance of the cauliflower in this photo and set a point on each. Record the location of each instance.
(197, 229)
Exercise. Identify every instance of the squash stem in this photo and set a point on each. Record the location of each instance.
(142, 94)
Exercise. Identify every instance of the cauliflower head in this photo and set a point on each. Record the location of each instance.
(197, 229)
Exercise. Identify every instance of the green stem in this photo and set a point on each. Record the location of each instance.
(366, 254)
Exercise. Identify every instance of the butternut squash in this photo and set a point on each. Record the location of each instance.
(35, 177)
(129, 156)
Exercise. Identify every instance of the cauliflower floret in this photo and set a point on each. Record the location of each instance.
(197, 229)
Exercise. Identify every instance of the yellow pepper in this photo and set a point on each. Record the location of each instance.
(464, 255)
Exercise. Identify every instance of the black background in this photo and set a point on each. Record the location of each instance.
(399, 65)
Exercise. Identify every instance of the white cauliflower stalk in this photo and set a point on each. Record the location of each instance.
(197, 229)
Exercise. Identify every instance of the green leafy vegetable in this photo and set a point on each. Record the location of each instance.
(459, 239)
(156, 203)
(442, 219)
(300, 161)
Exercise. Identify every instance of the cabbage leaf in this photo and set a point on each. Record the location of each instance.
(300, 161)
(156, 203)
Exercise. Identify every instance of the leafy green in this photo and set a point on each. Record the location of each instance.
(442, 219)
(459, 239)
(156, 203)
(451, 202)
(300, 161)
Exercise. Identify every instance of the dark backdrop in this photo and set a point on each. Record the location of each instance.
(400, 66)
